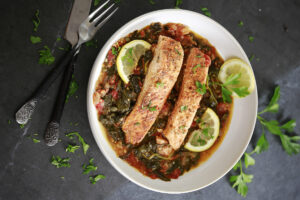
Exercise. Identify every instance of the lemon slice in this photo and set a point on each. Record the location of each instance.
(203, 138)
(129, 56)
(237, 66)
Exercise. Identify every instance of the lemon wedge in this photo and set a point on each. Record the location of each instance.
(129, 56)
(203, 138)
(237, 66)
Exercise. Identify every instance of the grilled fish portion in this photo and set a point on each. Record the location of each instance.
(160, 79)
(189, 97)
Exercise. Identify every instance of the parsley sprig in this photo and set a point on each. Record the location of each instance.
(94, 179)
(36, 20)
(72, 148)
(201, 88)
(85, 146)
(60, 162)
(46, 56)
(90, 167)
(289, 143)
(227, 89)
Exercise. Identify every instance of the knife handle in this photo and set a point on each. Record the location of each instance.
(52, 131)
(26, 111)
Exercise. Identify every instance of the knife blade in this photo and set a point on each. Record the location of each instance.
(80, 11)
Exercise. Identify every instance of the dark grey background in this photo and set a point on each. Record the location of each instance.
(25, 169)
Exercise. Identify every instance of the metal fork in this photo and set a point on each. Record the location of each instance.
(87, 31)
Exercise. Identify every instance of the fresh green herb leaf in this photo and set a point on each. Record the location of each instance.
(251, 38)
(206, 12)
(201, 88)
(289, 144)
(72, 89)
(226, 94)
(273, 105)
(137, 123)
(72, 148)
(96, 2)
(35, 140)
(272, 126)
(22, 126)
(159, 84)
(237, 165)
(241, 23)
(251, 57)
(195, 67)
(128, 57)
(198, 56)
(178, 3)
(92, 43)
(46, 56)
(60, 162)
(35, 134)
(262, 144)
(85, 146)
(241, 91)
(96, 178)
(232, 79)
(36, 20)
(182, 127)
(177, 52)
(35, 39)
(9, 121)
(114, 51)
(289, 126)
(62, 177)
(90, 167)
(149, 107)
(58, 39)
(248, 160)
(117, 1)
(183, 108)
(151, 2)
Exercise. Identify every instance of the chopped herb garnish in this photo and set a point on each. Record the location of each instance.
(58, 39)
(36, 20)
(177, 52)
(206, 12)
(62, 177)
(85, 146)
(201, 141)
(114, 51)
(60, 162)
(251, 38)
(201, 88)
(251, 57)
(178, 3)
(72, 89)
(35, 140)
(46, 56)
(151, 2)
(35, 39)
(197, 66)
(72, 148)
(128, 57)
(241, 23)
(149, 107)
(182, 127)
(137, 123)
(96, 2)
(96, 178)
(199, 56)
(92, 43)
(90, 167)
(22, 126)
(159, 84)
(183, 108)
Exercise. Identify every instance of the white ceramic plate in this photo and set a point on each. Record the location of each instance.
(242, 123)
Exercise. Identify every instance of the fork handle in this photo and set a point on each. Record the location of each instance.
(26, 111)
(52, 132)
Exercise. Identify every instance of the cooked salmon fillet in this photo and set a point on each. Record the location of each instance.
(159, 81)
(189, 98)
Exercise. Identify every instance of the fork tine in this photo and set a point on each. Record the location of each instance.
(106, 19)
(102, 14)
(97, 10)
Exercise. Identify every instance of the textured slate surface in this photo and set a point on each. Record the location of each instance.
(25, 170)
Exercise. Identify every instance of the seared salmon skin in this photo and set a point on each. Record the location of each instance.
(161, 76)
(190, 95)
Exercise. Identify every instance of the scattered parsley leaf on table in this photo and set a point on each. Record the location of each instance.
(206, 12)
(92, 43)
(273, 106)
(72, 148)
(262, 144)
(96, 2)
(241, 23)
(60, 162)
(152, 2)
(178, 3)
(85, 146)
(35, 140)
(22, 126)
(36, 20)
(72, 89)
(35, 39)
(248, 160)
(251, 38)
(90, 167)
(46, 56)
(96, 178)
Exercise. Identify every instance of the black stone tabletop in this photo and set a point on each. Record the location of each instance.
(25, 168)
